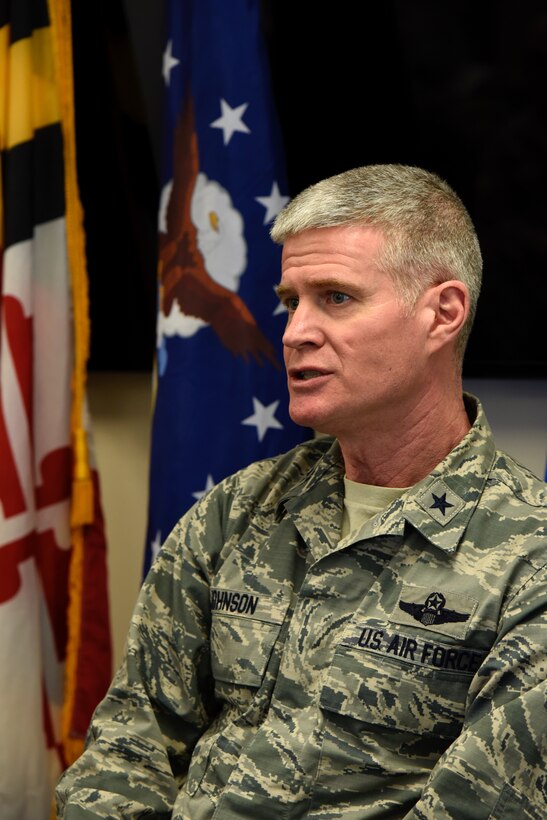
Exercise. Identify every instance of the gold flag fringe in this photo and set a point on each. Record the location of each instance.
(81, 512)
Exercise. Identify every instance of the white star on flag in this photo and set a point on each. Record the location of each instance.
(263, 418)
(272, 203)
(209, 484)
(169, 62)
(155, 545)
(231, 121)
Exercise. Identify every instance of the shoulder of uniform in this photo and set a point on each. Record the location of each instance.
(284, 470)
(261, 483)
(519, 480)
(254, 492)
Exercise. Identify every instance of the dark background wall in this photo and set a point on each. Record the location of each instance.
(456, 87)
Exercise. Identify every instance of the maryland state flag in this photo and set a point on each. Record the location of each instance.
(54, 629)
(221, 397)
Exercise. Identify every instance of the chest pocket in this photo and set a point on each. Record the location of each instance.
(389, 678)
(244, 629)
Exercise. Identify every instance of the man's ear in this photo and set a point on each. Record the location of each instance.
(449, 303)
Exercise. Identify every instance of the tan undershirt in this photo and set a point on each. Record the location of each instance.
(362, 501)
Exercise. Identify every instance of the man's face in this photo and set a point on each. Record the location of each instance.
(353, 356)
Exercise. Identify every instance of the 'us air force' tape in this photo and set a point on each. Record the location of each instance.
(416, 650)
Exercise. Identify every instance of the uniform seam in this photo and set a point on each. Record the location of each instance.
(517, 492)
(529, 581)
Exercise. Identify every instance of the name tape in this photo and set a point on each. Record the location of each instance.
(242, 603)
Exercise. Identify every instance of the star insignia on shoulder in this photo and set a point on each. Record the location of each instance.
(440, 503)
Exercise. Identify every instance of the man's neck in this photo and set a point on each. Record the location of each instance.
(415, 443)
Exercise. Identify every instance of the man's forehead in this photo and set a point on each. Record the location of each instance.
(347, 229)
(331, 255)
(338, 239)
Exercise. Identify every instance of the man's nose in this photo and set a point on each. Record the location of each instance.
(303, 327)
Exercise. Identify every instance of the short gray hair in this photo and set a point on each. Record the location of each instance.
(429, 235)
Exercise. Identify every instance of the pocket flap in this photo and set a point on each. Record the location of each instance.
(376, 681)
(244, 629)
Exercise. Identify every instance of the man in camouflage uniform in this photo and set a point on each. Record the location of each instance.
(355, 629)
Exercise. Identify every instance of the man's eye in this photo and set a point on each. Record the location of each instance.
(291, 303)
(338, 298)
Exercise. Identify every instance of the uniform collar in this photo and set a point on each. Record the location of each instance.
(439, 506)
(316, 502)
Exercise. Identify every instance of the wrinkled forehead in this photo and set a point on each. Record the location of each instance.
(338, 244)
(336, 259)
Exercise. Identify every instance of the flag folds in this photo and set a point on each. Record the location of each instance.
(54, 628)
(221, 399)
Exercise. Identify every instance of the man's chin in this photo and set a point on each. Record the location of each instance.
(314, 420)
(302, 419)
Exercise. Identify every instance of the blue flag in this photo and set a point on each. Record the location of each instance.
(221, 399)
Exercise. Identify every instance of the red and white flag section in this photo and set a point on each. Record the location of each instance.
(54, 628)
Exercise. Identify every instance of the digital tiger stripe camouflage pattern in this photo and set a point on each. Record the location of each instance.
(276, 671)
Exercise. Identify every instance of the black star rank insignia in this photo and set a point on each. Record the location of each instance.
(440, 503)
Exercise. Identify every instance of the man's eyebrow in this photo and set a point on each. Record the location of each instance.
(319, 284)
(283, 290)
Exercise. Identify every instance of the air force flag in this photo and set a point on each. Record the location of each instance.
(221, 398)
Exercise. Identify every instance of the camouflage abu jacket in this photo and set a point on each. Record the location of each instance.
(273, 671)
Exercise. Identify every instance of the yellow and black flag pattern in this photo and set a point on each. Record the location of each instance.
(54, 630)
(30, 128)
